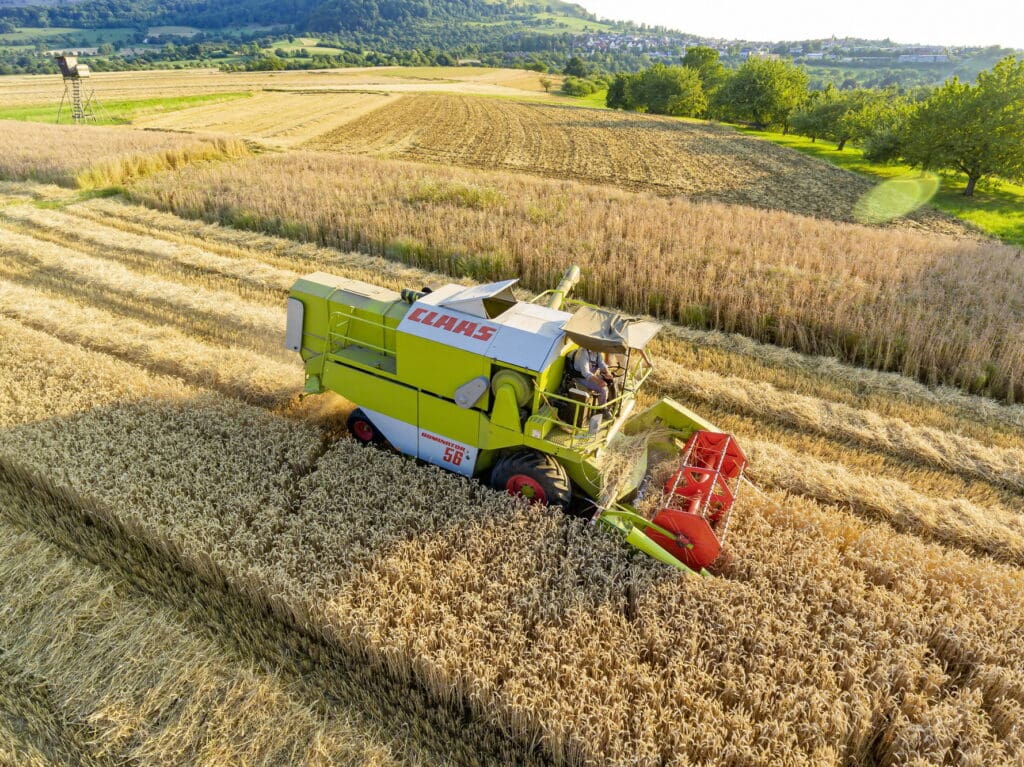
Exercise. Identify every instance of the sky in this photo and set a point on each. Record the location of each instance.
(940, 22)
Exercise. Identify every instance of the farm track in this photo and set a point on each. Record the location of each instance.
(832, 540)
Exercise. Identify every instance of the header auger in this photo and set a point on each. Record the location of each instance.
(488, 386)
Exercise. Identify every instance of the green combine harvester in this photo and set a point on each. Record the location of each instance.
(483, 384)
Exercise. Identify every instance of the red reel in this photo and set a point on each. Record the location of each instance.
(692, 529)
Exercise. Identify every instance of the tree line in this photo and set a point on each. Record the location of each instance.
(974, 128)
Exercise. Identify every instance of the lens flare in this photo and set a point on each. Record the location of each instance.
(895, 198)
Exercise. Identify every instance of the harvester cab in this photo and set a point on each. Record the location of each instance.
(483, 384)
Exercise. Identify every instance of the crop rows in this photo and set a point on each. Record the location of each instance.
(937, 308)
(827, 640)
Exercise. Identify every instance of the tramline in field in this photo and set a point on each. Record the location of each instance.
(483, 384)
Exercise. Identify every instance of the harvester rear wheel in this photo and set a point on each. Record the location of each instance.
(537, 477)
(362, 429)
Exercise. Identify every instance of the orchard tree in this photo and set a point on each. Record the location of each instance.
(763, 92)
(706, 62)
(975, 129)
(672, 91)
(860, 111)
(660, 90)
(817, 116)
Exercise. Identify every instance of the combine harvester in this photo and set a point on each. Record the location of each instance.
(481, 383)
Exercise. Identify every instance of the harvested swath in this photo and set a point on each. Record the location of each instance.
(102, 156)
(931, 307)
(279, 119)
(885, 393)
(155, 255)
(133, 685)
(26, 191)
(253, 247)
(866, 460)
(952, 452)
(216, 311)
(25, 729)
(17, 753)
(235, 372)
(829, 641)
(953, 521)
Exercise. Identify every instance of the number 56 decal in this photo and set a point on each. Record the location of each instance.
(446, 452)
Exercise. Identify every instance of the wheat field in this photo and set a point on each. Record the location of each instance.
(870, 610)
(938, 308)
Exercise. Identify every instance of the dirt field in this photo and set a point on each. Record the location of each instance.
(870, 611)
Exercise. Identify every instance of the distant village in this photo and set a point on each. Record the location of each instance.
(838, 51)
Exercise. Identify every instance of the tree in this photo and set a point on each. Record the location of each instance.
(576, 67)
(577, 86)
(816, 117)
(861, 113)
(706, 61)
(619, 92)
(546, 83)
(672, 91)
(975, 129)
(763, 92)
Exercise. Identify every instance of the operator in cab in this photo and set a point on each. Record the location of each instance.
(594, 373)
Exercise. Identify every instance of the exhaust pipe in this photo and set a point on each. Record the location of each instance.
(556, 297)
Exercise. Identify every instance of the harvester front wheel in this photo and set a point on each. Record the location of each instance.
(362, 429)
(534, 476)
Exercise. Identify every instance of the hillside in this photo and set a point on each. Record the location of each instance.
(397, 19)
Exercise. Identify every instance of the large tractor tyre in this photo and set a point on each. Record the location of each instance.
(362, 429)
(534, 476)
